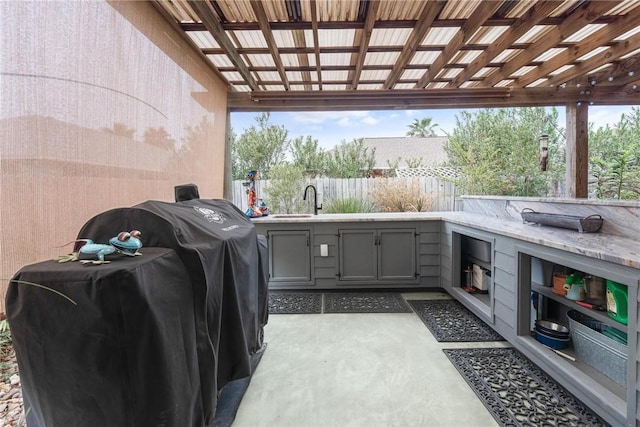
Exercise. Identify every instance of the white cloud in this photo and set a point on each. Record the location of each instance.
(326, 116)
(344, 122)
(369, 120)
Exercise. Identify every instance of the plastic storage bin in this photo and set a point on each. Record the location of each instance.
(597, 350)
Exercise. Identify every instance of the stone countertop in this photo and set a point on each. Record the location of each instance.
(606, 247)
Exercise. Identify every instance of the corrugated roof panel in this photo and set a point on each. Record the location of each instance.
(600, 68)
(404, 86)
(220, 60)
(519, 8)
(504, 83)
(334, 59)
(469, 84)
(331, 10)
(308, 38)
(400, 10)
(592, 53)
(623, 7)
(412, 74)
(335, 75)
(449, 73)
(237, 11)
(439, 36)
(381, 58)
(203, 39)
(283, 38)
(374, 75)
(312, 59)
(550, 54)
(534, 34)
(506, 55)
(389, 36)
(484, 72)
(242, 88)
(522, 71)
(369, 86)
(250, 38)
(334, 37)
(261, 60)
(437, 85)
(628, 34)
(276, 88)
(583, 33)
(466, 56)
(294, 76)
(563, 7)
(630, 54)
(180, 10)
(539, 82)
(487, 35)
(459, 9)
(268, 76)
(289, 60)
(276, 11)
(232, 76)
(424, 58)
(561, 70)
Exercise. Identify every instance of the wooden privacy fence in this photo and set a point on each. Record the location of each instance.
(441, 193)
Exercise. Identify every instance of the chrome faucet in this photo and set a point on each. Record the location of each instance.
(316, 208)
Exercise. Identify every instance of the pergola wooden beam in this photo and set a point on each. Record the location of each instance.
(213, 26)
(316, 41)
(419, 99)
(611, 54)
(533, 16)
(258, 9)
(471, 25)
(365, 36)
(599, 38)
(429, 13)
(577, 151)
(582, 16)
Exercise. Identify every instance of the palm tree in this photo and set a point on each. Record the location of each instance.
(422, 128)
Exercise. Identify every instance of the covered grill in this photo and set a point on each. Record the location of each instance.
(221, 311)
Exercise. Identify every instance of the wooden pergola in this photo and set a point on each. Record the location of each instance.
(286, 55)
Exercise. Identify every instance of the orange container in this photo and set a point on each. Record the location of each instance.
(559, 279)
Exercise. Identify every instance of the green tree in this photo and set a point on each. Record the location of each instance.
(306, 154)
(286, 184)
(497, 151)
(350, 160)
(422, 127)
(614, 158)
(259, 148)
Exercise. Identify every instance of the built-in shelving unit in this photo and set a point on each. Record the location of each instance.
(592, 383)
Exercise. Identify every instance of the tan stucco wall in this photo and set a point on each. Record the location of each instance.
(103, 105)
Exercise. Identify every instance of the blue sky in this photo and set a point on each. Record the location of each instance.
(330, 128)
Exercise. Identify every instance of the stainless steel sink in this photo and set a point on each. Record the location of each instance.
(292, 216)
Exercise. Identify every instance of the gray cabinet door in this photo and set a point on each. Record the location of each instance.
(289, 256)
(358, 255)
(377, 255)
(397, 254)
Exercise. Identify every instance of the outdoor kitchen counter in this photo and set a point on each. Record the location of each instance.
(606, 247)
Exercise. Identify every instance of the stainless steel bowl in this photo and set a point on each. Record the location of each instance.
(555, 328)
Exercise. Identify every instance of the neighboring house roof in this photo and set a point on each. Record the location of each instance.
(388, 150)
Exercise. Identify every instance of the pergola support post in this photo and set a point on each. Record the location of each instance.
(227, 191)
(577, 150)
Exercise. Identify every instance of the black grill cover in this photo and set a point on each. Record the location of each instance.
(226, 265)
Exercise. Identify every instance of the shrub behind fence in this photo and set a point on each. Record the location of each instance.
(441, 193)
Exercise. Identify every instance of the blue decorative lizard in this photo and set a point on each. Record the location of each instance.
(126, 243)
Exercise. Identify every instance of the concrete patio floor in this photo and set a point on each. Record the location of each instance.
(359, 370)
